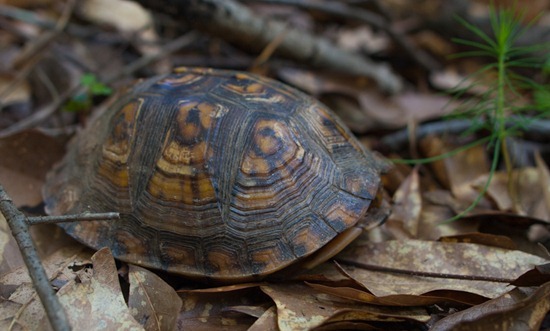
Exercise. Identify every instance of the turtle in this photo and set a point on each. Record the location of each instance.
(218, 175)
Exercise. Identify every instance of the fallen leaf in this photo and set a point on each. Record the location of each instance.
(9, 252)
(399, 289)
(363, 295)
(17, 287)
(56, 265)
(431, 228)
(544, 182)
(535, 277)
(300, 307)
(459, 171)
(407, 205)
(128, 17)
(266, 322)
(207, 309)
(419, 267)
(99, 301)
(8, 309)
(125, 16)
(482, 239)
(31, 314)
(511, 311)
(152, 302)
(17, 93)
(525, 195)
(399, 109)
(362, 39)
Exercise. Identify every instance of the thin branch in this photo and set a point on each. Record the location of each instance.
(20, 230)
(73, 218)
(34, 50)
(42, 114)
(45, 112)
(236, 23)
(342, 10)
(144, 61)
(397, 140)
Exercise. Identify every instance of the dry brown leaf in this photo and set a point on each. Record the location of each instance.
(8, 309)
(207, 309)
(325, 272)
(482, 239)
(398, 110)
(152, 302)
(418, 267)
(129, 18)
(527, 191)
(8, 248)
(449, 78)
(401, 289)
(399, 300)
(254, 311)
(431, 227)
(25, 158)
(126, 16)
(17, 93)
(266, 322)
(534, 277)
(401, 109)
(436, 44)
(544, 182)
(31, 314)
(300, 307)
(98, 302)
(511, 311)
(407, 205)
(459, 171)
(56, 265)
(362, 39)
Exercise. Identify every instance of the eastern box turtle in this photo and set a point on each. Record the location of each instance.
(217, 175)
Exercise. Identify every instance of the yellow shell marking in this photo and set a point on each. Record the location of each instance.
(116, 149)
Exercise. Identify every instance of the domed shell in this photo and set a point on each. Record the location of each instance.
(217, 174)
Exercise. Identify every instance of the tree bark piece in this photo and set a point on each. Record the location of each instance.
(237, 24)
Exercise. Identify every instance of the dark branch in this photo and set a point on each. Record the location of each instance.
(20, 230)
(236, 23)
(73, 218)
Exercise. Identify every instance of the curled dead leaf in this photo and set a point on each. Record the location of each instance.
(152, 302)
(420, 267)
(98, 302)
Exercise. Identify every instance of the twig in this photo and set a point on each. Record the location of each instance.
(45, 112)
(19, 228)
(236, 23)
(397, 140)
(42, 114)
(144, 61)
(72, 218)
(33, 51)
(342, 10)
(72, 29)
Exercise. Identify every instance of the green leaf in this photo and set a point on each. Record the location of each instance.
(542, 99)
(94, 86)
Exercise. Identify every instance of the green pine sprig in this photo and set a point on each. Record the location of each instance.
(494, 109)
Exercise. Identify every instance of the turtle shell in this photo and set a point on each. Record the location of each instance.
(217, 174)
